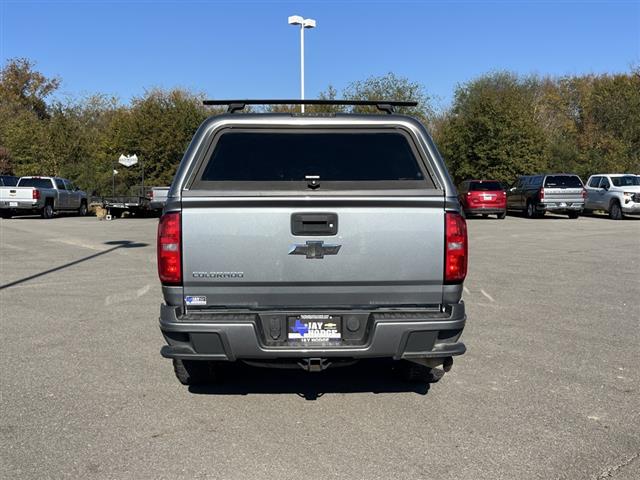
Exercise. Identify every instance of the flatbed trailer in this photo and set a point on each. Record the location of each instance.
(138, 206)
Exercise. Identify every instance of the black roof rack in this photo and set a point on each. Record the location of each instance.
(382, 105)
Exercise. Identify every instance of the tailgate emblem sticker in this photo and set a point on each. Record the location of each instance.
(314, 249)
(191, 300)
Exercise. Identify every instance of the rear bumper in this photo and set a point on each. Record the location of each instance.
(485, 210)
(397, 334)
(19, 205)
(558, 207)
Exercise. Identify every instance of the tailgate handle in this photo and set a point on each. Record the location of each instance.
(314, 224)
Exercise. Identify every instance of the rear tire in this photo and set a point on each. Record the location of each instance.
(5, 214)
(615, 212)
(47, 211)
(416, 373)
(530, 212)
(573, 214)
(501, 216)
(194, 372)
(82, 211)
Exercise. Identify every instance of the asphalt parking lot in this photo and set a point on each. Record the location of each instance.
(549, 387)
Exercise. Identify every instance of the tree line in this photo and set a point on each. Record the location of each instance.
(498, 126)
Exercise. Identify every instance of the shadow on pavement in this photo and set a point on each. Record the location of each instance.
(374, 376)
(117, 245)
(546, 216)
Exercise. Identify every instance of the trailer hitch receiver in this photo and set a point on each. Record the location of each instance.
(314, 364)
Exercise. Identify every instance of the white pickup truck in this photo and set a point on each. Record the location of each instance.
(43, 195)
(617, 194)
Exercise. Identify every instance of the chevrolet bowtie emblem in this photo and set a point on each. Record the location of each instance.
(314, 249)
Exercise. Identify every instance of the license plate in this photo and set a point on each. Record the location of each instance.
(314, 328)
(562, 204)
(13, 204)
(487, 197)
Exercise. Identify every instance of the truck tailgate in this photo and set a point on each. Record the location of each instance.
(249, 257)
(563, 195)
(16, 193)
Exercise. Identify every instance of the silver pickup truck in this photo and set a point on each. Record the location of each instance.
(618, 194)
(42, 195)
(309, 241)
(535, 195)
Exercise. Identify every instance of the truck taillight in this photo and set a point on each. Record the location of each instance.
(584, 193)
(35, 194)
(541, 194)
(169, 249)
(455, 254)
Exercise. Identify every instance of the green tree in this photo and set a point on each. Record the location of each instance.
(25, 87)
(24, 138)
(385, 87)
(6, 162)
(157, 128)
(500, 125)
(392, 87)
(491, 130)
(591, 123)
(611, 122)
(77, 138)
(23, 114)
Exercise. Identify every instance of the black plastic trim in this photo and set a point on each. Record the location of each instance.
(314, 223)
(382, 105)
(241, 335)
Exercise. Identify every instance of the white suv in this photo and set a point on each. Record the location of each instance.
(615, 193)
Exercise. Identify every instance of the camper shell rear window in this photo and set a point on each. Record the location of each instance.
(381, 158)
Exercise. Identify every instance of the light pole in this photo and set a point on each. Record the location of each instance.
(304, 23)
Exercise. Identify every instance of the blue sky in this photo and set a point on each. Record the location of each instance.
(246, 49)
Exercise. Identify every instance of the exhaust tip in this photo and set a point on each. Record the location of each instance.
(447, 364)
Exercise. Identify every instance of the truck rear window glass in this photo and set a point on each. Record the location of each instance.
(563, 181)
(35, 182)
(332, 156)
(626, 181)
(8, 181)
(485, 186)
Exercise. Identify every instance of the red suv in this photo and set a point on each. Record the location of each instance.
(485, 197)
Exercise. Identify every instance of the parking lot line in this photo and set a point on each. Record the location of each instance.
(487, 295)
